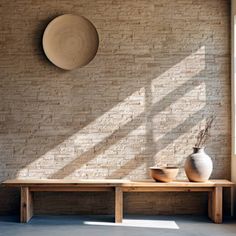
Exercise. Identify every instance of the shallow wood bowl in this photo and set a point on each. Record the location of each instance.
(164, 174)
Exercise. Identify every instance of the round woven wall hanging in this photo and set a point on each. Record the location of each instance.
(70, 41)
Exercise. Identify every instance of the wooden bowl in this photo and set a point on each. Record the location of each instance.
(164, 174)
(70, 41)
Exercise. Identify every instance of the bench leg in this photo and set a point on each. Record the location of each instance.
(26, 211)
(118, 205)
(217, 205)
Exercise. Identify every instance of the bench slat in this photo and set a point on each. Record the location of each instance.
(113, 182)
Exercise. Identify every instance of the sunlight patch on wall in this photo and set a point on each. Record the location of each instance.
(87, 139)
(140, 171)
(189, 68)
(176, 151)
(170, 117)
(112, 162)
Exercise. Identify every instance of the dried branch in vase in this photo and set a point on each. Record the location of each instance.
(204, 134)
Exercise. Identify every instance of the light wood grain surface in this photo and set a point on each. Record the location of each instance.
(115, 182)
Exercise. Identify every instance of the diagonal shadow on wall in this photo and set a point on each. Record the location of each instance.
(161, 143)
(125, 130)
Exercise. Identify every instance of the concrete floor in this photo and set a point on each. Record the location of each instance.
(103, 225)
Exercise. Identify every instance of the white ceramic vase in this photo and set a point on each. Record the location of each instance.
(198, 166)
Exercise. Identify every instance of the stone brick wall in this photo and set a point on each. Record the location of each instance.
(162, 67)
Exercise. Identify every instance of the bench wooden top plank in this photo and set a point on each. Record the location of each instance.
(64, 182)
(180, 183)
(114, 183)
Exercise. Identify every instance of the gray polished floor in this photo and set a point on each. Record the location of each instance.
(103, 225)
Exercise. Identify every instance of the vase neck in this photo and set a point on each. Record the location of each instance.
(197, 150)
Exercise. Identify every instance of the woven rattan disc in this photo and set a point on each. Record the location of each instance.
(70, 41)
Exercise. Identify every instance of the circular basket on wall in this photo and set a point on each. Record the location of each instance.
(70, 41)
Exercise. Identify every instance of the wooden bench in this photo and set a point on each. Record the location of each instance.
(28, 187)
